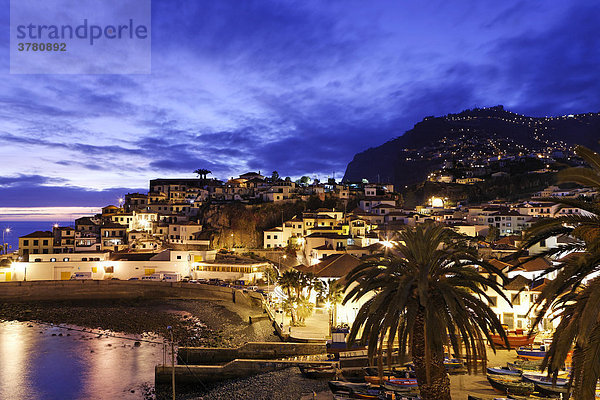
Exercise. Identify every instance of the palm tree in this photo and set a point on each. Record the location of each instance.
(289, 281)
(426, 293)
(573, 294)
(202, 172)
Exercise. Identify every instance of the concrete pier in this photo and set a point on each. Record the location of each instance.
(196, 374)
(251, 350)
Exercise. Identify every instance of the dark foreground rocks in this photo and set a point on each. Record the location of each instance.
(194, 322)
(287, 384)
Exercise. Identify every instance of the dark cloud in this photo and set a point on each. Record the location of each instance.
(296, 86)
(34, 195)
(25, 180)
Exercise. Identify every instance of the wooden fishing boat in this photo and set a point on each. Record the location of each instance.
(401, 385)
(347, 387)
(397, 372)
(532, 353)
(320, 372)
(522, 365)
(516, 338)
(376, 380)
(503, 371)
(510, 386)
(548, 390)
(452, 363)
(544, 380)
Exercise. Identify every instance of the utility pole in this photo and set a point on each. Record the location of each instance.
(170, 329)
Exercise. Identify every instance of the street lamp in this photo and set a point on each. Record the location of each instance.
(4, 245)
(284, 256)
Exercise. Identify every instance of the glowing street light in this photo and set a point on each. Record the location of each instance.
(4, 245)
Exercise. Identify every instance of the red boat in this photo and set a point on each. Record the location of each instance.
(516, 339)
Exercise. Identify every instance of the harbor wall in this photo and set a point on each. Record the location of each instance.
(195, 374)
(251, 350)
(19, 291)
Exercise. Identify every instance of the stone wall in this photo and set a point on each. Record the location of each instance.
(251, 350)
(109, 289)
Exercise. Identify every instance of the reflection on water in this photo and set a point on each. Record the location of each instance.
(36, 365)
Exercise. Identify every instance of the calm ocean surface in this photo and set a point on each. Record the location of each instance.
(22, 228)
(36, 365)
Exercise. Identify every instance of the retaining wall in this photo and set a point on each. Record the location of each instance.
(108, 289)
(193, 374)
(251, 350)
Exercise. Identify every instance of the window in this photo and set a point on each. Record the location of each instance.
(66, 259)
(84, 259)
(268, 237)
(493, 301)
(53, 260)
(179, 257)
(274, 236)
(36, 242)
(25, 242)
(515, 299)
(543, 243)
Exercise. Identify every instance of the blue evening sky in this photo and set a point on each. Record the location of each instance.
(293, 86)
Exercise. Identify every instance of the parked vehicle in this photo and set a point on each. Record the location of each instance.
(81, 276)
(171, 277)
(133, 279)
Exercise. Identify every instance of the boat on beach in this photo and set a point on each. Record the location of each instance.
(503, 371)
(510, 385)
(532, 353)
(401, 385)
(318, 372)
(516, 339)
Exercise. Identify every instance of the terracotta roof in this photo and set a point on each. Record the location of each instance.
(537, 264)
(517, 283)
(39, 234)
(570, 256)
(335, 266)
(499, 264)
(510, 240)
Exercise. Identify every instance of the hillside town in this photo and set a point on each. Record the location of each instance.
(157, 236)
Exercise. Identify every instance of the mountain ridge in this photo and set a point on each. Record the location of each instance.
(470, 136)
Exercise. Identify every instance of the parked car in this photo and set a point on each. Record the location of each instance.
(133, 279)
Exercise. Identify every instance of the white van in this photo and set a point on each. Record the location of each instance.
(81, 275)
(172, 277)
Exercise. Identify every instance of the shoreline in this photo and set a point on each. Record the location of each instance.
(195, 322)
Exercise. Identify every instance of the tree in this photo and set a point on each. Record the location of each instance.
(288, 282)
(426, 293)
(298, 286)
(202, 172)
(304, 180)
(573, 294)
(275, 176)
(493, 234)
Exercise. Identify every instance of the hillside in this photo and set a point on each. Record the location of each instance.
(471, 138)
